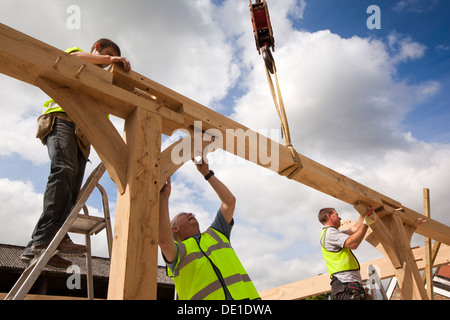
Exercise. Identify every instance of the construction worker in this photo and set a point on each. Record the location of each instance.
(337, 246)
(68, 150)
(204, 266)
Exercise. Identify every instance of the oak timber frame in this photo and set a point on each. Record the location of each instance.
(139, 168)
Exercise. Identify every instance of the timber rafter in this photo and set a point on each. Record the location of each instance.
(136, 163)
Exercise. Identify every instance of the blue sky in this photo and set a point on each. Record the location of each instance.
(424, 21)
(370, 104)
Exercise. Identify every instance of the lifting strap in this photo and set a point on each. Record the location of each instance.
(291, 171)
(262, 29)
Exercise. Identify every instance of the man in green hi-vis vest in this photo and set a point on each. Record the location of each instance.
(68, 150)
(204, 266)
(337, 246)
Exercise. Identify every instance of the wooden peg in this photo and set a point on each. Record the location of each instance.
(80, 71)
(57, 62)
(162, 104)
(140, 173)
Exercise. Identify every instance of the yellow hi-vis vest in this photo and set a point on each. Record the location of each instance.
(51, 106)
(339, 261)
(194, 274)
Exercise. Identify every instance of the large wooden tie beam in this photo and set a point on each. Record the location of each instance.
(139, 167)
(321, 284)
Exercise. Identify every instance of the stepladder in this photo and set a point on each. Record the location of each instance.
(75, 223)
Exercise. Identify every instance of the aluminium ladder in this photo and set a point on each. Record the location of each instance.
(76, 223)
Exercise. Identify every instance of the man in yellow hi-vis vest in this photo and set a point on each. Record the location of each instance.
(337, 246)
(204, 266)
(68, 151)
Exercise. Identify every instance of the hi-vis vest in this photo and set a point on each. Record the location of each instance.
(51, 106)
(339, 261)
(194, 274)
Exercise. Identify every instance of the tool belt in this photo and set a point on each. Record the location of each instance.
(347, 290)
(45, 126)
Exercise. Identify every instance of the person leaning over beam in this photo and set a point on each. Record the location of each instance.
(204, 266)
(68, 150)
(337, 246)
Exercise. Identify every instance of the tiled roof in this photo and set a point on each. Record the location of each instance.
(444, 271)
(10, 260)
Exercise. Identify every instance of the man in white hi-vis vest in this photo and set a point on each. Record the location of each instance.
(337, 246)
(68, 150)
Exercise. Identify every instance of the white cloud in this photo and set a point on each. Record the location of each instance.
(345, 103)
(404, 48)
(20, 207)
(18, 125)
(416, 6)
(346, 107)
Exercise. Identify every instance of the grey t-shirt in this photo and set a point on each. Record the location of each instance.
(334, 240)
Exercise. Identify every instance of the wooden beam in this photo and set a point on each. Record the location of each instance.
(321, 284)
(122, 94)
(41, 297)
(428, 250)
(422, 225)
(312, 174)
(90, 117)
(436, 247)
(133, 273)
(25, 58)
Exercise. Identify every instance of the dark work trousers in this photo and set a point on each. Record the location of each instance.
(64, 182)
(347, 291)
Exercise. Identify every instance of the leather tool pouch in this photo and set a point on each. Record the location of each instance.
(45, 126)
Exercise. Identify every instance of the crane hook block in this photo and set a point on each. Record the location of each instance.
(262, 28)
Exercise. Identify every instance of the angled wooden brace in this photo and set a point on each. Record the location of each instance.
(382, 235)
(169, 167)
(94, 123)
(395, 240)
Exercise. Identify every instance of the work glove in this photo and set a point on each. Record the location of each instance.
(370, 218)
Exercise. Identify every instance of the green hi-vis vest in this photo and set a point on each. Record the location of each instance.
(51, 106)
(339, 261)
(195, 276)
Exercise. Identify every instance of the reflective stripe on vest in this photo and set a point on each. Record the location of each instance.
(339, 261)
(194, 275)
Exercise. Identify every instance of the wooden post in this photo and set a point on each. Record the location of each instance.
(134, 267)
(428, 251)
(88, 94)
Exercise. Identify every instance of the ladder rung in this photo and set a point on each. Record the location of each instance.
(87, 224)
